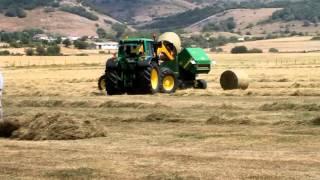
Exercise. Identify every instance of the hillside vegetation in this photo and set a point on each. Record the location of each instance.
(308, 10)
(182, 20)
(15, 8)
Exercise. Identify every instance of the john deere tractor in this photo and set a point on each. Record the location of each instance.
(148, 66)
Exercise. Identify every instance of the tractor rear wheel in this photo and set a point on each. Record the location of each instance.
(149, 79)
(169, 82)
(102, 83)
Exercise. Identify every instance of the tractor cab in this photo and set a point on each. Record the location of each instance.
(136, 48)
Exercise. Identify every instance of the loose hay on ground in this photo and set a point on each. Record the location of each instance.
(277, 106)
(217, 120)
(58, 127)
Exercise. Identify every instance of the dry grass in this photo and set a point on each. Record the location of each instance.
(291, 44)
(269, 131)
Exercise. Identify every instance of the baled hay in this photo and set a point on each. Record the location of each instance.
(232, 79)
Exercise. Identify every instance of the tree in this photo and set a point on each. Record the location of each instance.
(239, 50)
(59, 40)
(66, 43)
(101, 33)
(119, 29)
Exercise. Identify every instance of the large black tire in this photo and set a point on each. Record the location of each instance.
(149, 79)
(169, 81)
(113, 80)
(102, 83)
(200, 84)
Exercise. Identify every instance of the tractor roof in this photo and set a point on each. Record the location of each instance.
(135, 39)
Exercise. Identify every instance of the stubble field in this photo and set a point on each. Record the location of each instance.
(269, 131)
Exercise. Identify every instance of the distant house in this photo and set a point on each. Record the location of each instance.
(43, 37)
(106, 45)
(73, 38)
(241, 39)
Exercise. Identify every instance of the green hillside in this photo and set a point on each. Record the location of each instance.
(308, 10)
(15, 8)
(187, 18)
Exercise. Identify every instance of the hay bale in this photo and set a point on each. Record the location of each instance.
(234, 79)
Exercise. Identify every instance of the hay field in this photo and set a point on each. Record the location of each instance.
(270, 131)
(290, 44)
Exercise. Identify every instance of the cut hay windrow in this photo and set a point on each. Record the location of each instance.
(52, 127)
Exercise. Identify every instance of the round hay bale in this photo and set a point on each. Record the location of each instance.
(173, 38)
(234, 79)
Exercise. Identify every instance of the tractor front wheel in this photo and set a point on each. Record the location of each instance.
(102, 83)
(169, 82)
(114, 83)
(149, 79)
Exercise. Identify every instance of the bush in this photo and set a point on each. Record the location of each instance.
(317, 38)
(82, 54)
(255, 50)
(41, 51)
(273, 50)
(15, 12)
(239, 50)
(4, 53)
(225, 25)
(15, 45)
(53, 50)
(66, 42)
(81, 44)
(29, 52)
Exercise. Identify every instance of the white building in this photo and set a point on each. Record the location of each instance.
(43, 37)
(73, 38)
(107, 45)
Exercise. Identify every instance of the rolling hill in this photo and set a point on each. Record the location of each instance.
(83, 17)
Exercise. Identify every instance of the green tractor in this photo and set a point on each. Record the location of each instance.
(146, 66)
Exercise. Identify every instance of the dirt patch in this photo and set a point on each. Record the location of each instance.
(276, 106)
(57, 127)
(220, 120)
